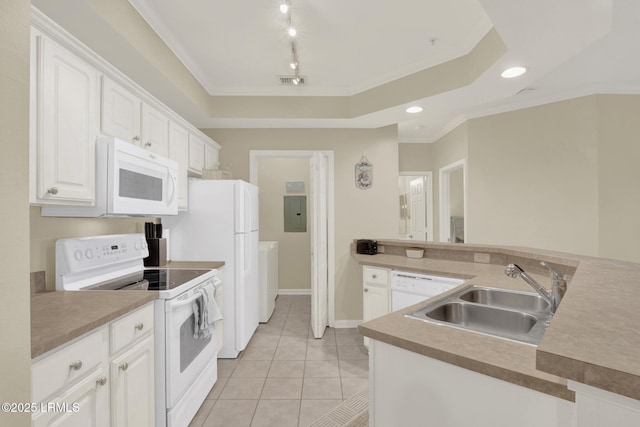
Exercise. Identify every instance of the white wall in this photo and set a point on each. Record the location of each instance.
(294, 249)
(359, 214)
(15, 332)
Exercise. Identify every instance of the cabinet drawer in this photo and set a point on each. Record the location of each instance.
(376, 275)
(131, 328)
(64, 366)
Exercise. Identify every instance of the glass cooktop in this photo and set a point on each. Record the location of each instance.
(160, 279)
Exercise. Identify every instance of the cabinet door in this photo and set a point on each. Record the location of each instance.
(196, 154)
(179, 151)
(133, 387)
(67, 103)
(375, 303)
(155, 130)
(120, 116)
(210, 157)
(84, 404)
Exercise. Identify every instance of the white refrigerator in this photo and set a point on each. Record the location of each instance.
(222, 225)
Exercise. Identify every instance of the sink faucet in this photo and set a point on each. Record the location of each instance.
(558, 283)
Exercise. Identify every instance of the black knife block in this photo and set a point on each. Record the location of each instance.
(157, 252)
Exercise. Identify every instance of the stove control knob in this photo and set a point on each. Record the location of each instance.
(136, 246)
(88, 253)
(144, 245)
(78, 255)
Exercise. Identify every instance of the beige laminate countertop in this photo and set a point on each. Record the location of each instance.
(58, 317)
(592, 339)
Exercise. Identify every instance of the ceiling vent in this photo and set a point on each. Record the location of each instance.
(288, 80)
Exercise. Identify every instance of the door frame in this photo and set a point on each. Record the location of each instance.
(444, 197)
(429, 207)
(254, 155)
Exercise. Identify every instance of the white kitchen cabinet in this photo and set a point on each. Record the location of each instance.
(73, 379)
(376, 299)
(120, 114)
(155, 130)
(105, 378)
(65, 112)
(196, 154)
(179, 151)
(132, 386)
(408, 389)
(210, 157)
(600, 408)
(86, 403)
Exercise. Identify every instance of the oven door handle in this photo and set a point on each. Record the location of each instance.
(177, 304)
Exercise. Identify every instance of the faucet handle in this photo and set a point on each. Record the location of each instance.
(556, 274)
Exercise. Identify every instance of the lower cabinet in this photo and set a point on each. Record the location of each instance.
(86, 403)
(376, 299)
(132, 386)
(105, 378)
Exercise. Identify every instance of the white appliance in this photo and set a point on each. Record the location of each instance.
(185, 367)
(130, 181)
(222, 225)
(268, 269)
(408, 288)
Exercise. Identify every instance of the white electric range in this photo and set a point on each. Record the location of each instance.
(185, 366)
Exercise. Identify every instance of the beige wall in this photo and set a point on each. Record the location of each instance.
(533, 178)
(46, 230)
(15, 357)
(358, 213)
(415, 157)
(448, 149)
(619, 176)
(456, 193)
(294, 249)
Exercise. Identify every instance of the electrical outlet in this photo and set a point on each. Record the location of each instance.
(380, 249)
(480, 257)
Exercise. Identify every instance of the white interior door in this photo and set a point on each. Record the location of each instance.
(418, 209)
(319, 256)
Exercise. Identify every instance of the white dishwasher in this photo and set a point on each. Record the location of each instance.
(408, 288)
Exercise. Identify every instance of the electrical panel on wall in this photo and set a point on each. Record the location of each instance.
(295, 214)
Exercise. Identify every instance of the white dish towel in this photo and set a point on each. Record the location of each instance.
(205, 312)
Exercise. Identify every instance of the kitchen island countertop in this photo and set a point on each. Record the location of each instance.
(592, 339)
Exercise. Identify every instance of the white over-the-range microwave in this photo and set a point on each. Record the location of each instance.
(130, 181)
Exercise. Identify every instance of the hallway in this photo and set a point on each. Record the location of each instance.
(285, 377)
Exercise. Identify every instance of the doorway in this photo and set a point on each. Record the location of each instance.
(416, 205)
(321, 169)
(453, 202)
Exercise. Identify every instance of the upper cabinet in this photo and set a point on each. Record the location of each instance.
(70, 108)
(155, 130)
(64, 125)
(120, 112)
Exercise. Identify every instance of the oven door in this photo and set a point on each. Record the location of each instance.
(186, 356)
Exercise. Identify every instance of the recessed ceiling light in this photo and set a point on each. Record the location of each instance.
(292, 32)
(284, 8)
(513, 72)
(414, 109)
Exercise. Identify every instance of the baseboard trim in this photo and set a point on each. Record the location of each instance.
(346, 323)
(294, 291)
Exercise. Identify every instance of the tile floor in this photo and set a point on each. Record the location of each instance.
(285, 377)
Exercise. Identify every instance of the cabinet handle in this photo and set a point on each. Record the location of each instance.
(124, 366)
(101, 381)
(147, 144)
(366, 289)
(139, 326)
(52, 190)
(76, 365)
(375, 276)
(136, 138)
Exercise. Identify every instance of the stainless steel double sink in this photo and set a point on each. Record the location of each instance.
(513, 315)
